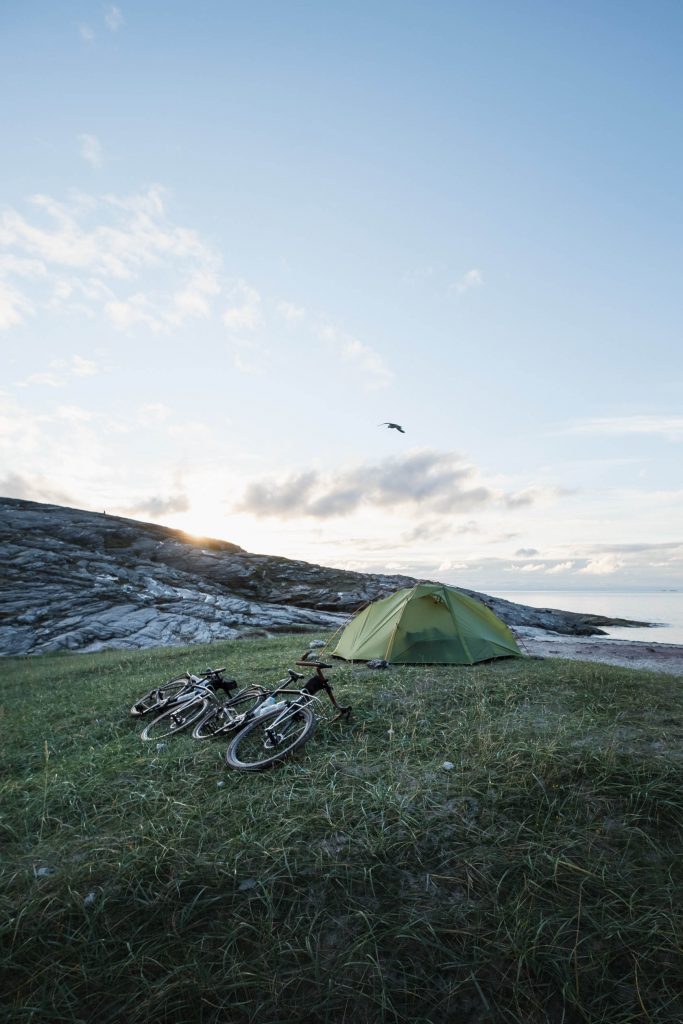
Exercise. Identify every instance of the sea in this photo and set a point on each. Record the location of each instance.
(663, 607)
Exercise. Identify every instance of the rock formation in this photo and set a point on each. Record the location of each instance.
(84, 581)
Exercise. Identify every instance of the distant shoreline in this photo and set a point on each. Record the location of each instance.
(662, 610)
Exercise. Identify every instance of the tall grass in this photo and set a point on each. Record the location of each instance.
(537, 880)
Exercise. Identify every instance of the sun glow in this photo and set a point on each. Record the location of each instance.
(256, 536)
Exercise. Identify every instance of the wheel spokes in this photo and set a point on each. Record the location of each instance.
(265, 741)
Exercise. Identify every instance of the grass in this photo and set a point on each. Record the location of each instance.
(538, 880)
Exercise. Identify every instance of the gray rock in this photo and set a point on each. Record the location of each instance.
(81, 581)
(43, 872)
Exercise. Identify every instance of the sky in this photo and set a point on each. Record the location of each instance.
(236, 238)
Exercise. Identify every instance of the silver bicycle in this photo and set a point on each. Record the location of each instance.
(272, 732)
(182, 706)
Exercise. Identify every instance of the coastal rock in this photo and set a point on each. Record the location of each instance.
(84, 581)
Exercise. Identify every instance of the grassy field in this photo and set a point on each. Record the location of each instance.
(538, 880)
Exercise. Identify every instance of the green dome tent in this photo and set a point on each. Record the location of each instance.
(430, 624)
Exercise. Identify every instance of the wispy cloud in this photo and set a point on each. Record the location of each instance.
(113, 18)
(81, 367)
(249, 356)
(44, 379)
(375, 374)
(245, 312)
(85, 32)
(157, 506)
(153, 414)
(636, 548)
(59, 371)
(13, 306)
(193, 298)
(533, 495)
(288, 311)
(120, 256)
(91, 150)
(73, 413)
(669, 426)
(472, 279)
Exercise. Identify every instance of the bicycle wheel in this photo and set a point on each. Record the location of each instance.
(222, 718)
(254, 748)
(159, 697)
(180, 716)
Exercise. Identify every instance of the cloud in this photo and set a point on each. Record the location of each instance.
(246, 314)
(48, 380)
(670, 427)
(627, 549)
(113, 18)
(91, 150)
(153, 413)
(535, 495)
(192, 300)
(433, 529)
(14, 485)
(370, 362)
(440, 482)
(605, 565)
(249, 356)
(117, 256)
(157, 506)
(86, 33)
(291, 313)
(60, 370)
(13, 306)
(375, 373)
(138, 309)
(560, 567)
(283, 498)
(472, 279)
(522, 498)
(526, 553)
(73, 413)
(81, 367)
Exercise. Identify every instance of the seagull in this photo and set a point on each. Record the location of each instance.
(392, 426)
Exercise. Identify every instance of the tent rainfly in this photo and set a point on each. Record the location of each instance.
(429, 624)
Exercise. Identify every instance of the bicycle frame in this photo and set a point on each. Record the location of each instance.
(304, 700)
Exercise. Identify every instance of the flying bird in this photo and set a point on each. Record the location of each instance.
(392, 426)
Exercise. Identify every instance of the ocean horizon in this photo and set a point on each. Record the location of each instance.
(661, 606)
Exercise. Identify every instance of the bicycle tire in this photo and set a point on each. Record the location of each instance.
(216, 721)
(175, 719)
(248, 751)
(159, 697)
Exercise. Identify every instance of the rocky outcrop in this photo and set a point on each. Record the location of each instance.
(84, 581)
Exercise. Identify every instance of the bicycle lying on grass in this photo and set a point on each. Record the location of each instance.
(267, 725)
(233, 712)
(181, 702)
(179, 689)
(272, 733)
